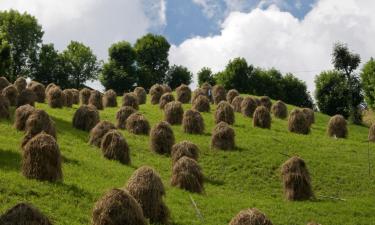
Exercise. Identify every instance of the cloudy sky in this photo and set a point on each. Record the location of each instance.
(292, 35)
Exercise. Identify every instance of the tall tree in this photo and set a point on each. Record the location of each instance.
(295, 92)
(235, 75)
(205, 75)
(368, 82)
(178, 75)
(5, 57)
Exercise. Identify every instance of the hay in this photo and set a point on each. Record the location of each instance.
(39, 91)
(184, 148)
(122, 115)
(248, 106)
(162, 138)
(146, 187)
(297, 122)
(75, 93)
(250, 217)
(55, 97)
(224, 112)
(24, 214)
(21, 115)
(130, 99)
(313, 223)
(69, 98)
(115, 147)
(37, 122)
(192, 122)
(165, 98)
(11, 94)
(4, 107)
(49, 86)
(166, 88)
(279, 110)
(183, 94)
(337, 127)
(3, 83)
(232, 93)
(86, 117)
(206, 87)
(223, 137)
(117, 207)
(137, 123)
(196, 93)
(310, 115)
(262, 117)
(236, 103)
(41, 158)
(84, 96)
(173, 112)
(96, 99)
(110, 98)
(218, 94)
(26, 96)
(296, 179)
(20, 84)
(97, 133)
(371, 133)
(156, 91)
(187, 175)
(266, 102)
(201, 104)
(141, 94)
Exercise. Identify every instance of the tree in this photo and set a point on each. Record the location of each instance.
(206, 75)
(368, 82)
(5, 57)
(24, 35)
(79, 63)
(235, 75)
(295, 92)
(178, 75)
(152, 59)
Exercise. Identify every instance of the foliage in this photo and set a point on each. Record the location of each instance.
(368, 82)
(295, 92)
(178, 75)
(206, 75)
(235, 75)
(5, 57)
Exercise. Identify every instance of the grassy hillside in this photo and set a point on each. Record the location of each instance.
(246, 177)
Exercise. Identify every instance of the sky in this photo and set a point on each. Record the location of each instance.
(294, 36)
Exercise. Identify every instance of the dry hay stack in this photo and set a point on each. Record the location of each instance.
(201, 104)
(37, 122)
(141, 94)
(4, 107)
(20, 84)
(184, 148)
(206, 87)
(223, 137)
(137, 123)
(110, 98)
(97, 133)
(115, 147)
(49, 86)
(165, 98)
(21, 115)
(11, 94)
(146, 186)
(39, 90)
(130, 99)
(248, 106)
(192, 122)
(173, 112)
(224, 112)
(310, 115)
(296, 179)
(236, 103)
(55, 97)
(313, 223)
(75, 93)
(262, 117)
(371, 133)
(26, 96)
(69, 98)
(166, 88)
(337, 127)
(122, 115)
(84, 96)
(218, 94)
(297, 122)
(3, 83)
(279, 110)
(162, 138)
(266, 102)
(24, 214)
(41, 158)
(250, 217)
(96, 99)
(197, 92)
(232, 93)
(86, 117)
(187, 175)
(183, 94)
(117, 207)
(156, 91)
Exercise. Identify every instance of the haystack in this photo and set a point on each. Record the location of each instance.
(183, 94)
(165, 98)
(86, 117)
(3, 83)
(4, 107)
(26, 96)
(84, 96)
(173, 112)
(201, 104)
(96, 99)
(20, 84)
(166, 88)
(224, 112)
(192, 122)
(218, 94)
(207, 88)
(69, 98)
(75, 93)
(24, 214)
(236, 103)
(49, 86)
(371, 133)
(337, 127)
(117, 207)
(262, 117)
(266, 102)
(250, 217)
(156, 91)
(36, 123)
(55, 97)
(41, 158)
(11, 94)
(296, 179)
(232, 93)
(310, 115)
(223, 137)
(39, 90)
(248, 106)
(130, 99)
(141, 94)
(184, 148)
(110, 98)
(97, 133)
(137, 123)
(279, 110)
(162, 138)
(115, 147)
(196, 93)
(122, 115)
(187, 175)
(313, 223)
(21, 115)
(297, 122)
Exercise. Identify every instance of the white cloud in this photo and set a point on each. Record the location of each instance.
(272, 38)
(210, 7)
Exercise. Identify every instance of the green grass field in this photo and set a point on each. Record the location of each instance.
(246, 177)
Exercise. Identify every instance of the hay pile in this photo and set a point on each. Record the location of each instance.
(37, 122)
(130, 99)
(232, 93)
(141, 94)
(313, 223)
(184, 148)
(162, 138)
(146, 187)
(337, 127)
(26, 96)
(41, 158)
(296, 179)
(75, 93)
(39, 90)
(166, 88)
(250, 217)
(236, 103)
(165, 98)
(97, 133)
(310, 115)
(49, 86)
(24, 214)
(201, 104)
(224, 112)
(137, 123)
(192, 122)
(96, 99)
(84, 96)
(206, 87)
(156, 91)
(218, 94)
(4, 107)
(183, 94)
(20, 84)
(21, 115)
(262, 117)
(297, 122)
(117, 207)
(196, 93)
(115, 147)
(279, 110)
(55, 97)
(248, 106)
(86, 117)
(266, 102)
(122, 115)
(110, 98)
(11, 94)
(69, 98)
(223, 137)
(187, 175)
(173, 112)
(3, 83)
(371, 133)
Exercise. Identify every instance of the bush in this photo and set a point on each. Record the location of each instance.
(178, 75)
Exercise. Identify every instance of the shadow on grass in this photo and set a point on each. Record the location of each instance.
(63, 127)
(9, 160)
(70, 161)
(213, 181)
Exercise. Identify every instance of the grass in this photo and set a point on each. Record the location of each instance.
(246, 177)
